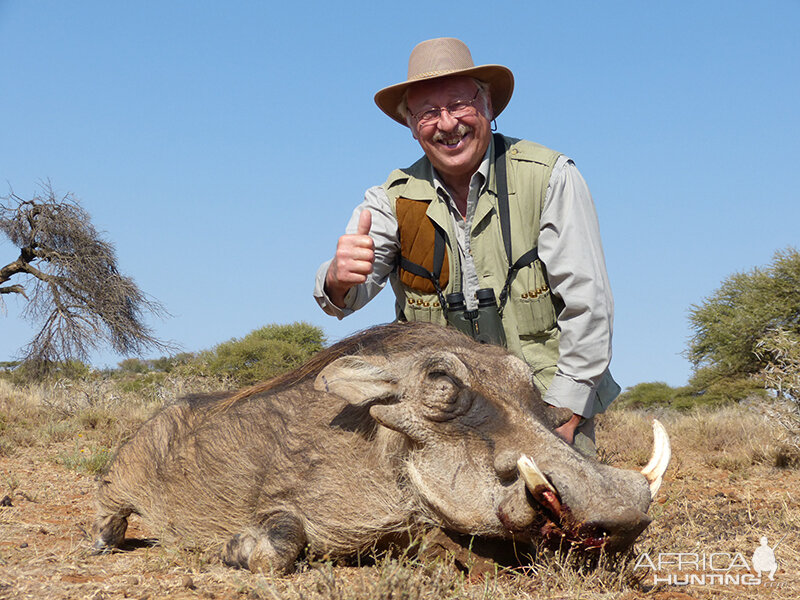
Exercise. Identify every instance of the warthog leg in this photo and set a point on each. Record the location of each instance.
(109, 531)
(440, 544)
(273, 545)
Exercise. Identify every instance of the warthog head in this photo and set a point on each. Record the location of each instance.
(480, 454)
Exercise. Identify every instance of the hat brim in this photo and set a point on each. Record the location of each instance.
(499, 78)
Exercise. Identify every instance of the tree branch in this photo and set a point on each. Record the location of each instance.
(13, 289)
(11, 269)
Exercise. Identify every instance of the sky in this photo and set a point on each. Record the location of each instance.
(223, 146)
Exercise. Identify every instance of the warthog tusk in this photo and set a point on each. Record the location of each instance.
(532, 474)
(538, 485)
(662, 452)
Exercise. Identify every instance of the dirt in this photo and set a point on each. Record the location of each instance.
(45, 542)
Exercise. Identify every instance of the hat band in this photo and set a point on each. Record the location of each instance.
(429, 74)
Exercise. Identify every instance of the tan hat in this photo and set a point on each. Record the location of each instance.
(445, 57)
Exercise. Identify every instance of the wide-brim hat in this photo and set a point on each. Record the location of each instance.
(446, 57)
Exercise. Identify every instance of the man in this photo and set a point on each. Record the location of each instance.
(437, 227)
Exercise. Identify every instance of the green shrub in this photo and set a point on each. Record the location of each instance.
(702, 391)
(168, 363)
(133, 365)
(260, 355)
(139, 383)
(646, 395)
(25, 373)
(163, 364)
(707, 389)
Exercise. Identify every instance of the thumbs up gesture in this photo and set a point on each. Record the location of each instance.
(353, 261)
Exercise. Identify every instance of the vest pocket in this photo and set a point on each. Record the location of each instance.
(423, 307)
(532, 301)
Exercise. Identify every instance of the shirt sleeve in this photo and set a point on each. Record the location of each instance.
(571, 249)
(387, 247)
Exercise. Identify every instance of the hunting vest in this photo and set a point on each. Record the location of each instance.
(427, 239)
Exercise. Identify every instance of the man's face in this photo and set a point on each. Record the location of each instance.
(455, 146)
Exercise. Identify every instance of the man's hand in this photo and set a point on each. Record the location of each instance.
(355, 255)
(567, 431)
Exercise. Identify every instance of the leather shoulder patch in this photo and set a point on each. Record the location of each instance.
(417, 237)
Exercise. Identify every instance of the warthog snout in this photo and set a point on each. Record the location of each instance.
(582, 514)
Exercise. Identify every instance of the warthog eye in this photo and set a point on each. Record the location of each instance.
(441, 386)
(444, 390)
(439, 374)
(444, 397)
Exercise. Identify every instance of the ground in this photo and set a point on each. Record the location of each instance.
(729, 484)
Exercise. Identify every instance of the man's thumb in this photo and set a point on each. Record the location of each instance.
(364, 222)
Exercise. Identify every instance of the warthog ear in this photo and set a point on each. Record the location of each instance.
(357, 380)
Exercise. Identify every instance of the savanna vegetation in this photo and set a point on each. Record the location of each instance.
(734, 475)
(731, 481)
(749, 329)
(745, 348)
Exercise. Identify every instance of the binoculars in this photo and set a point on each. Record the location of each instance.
(482, 324)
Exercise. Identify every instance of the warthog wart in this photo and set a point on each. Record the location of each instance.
(398, 430)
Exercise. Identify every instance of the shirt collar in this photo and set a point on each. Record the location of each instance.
(479, 178)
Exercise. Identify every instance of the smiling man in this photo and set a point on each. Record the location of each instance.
(484, 212)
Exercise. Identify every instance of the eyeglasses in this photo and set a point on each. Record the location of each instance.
(456, 109)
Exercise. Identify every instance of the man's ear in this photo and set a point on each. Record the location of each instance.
(486, 94)
(357, 380)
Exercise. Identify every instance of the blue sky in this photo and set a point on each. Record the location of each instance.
(223, 146)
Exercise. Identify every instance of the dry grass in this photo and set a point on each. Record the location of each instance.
(38, 415)
(732, 438)
(729, 484)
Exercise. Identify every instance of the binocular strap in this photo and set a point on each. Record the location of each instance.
(505, 220)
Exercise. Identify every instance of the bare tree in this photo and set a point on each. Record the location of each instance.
(75, 295)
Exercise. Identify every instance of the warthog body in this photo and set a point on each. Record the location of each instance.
(396, 430)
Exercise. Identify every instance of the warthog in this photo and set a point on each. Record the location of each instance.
(400, 429)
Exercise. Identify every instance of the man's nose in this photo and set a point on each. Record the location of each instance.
(446, 121)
